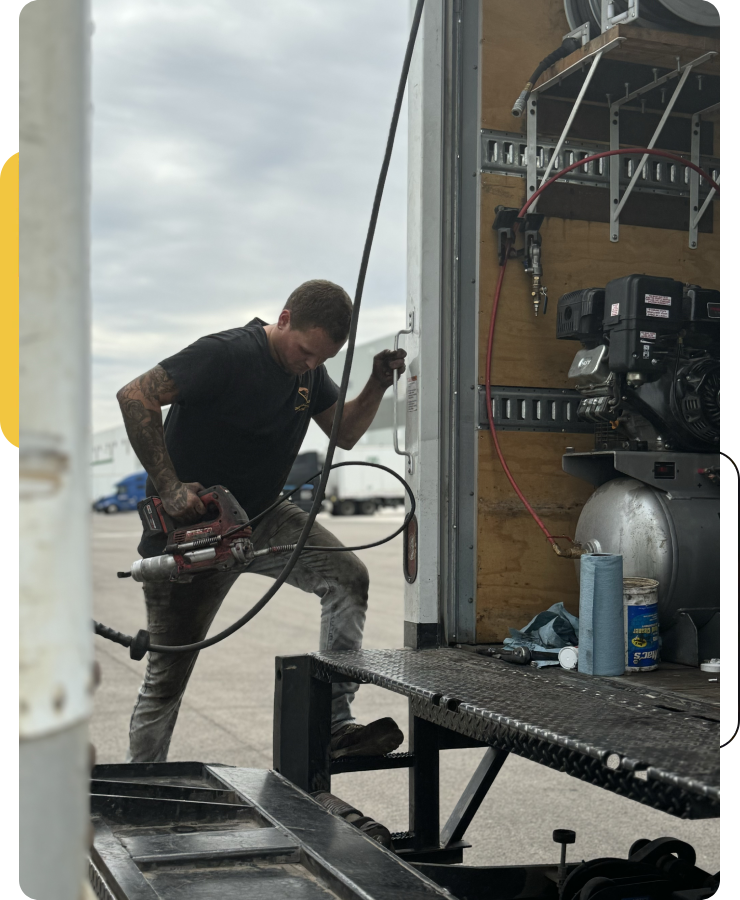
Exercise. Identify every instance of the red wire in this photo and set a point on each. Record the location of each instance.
(497, 297)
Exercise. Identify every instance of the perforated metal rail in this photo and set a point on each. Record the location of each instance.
(627, 738)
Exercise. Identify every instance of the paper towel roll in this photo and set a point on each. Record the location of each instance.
(601, 639)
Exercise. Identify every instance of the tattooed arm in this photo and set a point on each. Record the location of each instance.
(141, 403)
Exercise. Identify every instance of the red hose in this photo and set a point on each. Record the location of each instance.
(497, 297)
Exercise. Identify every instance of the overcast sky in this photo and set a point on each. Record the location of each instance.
(236, 145)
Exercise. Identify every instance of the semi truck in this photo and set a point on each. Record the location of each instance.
(351, 490)
(129, 491)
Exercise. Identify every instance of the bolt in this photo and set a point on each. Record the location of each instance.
(470, 599)
(699, 78)
(655, 74)
(642, 104)
(472, 493)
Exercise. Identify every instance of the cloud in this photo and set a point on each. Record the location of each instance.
(236, 146)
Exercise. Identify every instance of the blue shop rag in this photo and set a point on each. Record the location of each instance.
(549, 630)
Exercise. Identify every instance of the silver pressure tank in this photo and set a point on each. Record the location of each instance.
(675, 541)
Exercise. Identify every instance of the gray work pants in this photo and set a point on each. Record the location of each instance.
(182, 614)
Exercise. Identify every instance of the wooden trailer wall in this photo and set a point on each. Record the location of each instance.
(518, 575)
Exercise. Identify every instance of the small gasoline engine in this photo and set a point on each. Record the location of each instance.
(649, 373)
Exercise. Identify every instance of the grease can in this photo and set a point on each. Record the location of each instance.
(641, 628)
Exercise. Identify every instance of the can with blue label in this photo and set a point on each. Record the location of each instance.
(641, 627)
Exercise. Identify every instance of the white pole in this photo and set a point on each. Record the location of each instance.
(55, 592)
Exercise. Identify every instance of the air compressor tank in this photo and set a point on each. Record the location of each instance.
(660, 511)
(674, 540)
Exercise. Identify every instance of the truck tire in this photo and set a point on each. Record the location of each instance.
(344, 508)
(367, 507)
(111, 508)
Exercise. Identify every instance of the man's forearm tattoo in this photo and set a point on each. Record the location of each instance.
(142, 417)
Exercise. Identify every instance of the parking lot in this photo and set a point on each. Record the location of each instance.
(226, 715)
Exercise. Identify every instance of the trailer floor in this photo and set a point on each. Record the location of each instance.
(686, 682)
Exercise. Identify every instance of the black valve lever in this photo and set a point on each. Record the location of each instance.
(563, 836)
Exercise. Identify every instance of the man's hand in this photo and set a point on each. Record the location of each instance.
(384, 365)
(182, 502)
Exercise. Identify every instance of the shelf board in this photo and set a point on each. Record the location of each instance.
(645, 47)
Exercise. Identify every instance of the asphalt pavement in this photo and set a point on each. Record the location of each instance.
(226, 715)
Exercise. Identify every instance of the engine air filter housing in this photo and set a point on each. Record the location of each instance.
(580, 316)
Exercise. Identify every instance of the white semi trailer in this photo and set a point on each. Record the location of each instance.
(362, 489)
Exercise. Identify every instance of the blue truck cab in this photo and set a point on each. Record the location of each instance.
(129, 492)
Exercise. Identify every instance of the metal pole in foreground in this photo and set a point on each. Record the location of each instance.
(55, 594)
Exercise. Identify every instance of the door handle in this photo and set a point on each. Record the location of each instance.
(398, 450)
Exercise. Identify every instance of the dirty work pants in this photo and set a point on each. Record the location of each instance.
(182, 614)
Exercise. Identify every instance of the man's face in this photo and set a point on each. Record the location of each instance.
(301, 351)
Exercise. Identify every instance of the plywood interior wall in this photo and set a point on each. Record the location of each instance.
(518, 574)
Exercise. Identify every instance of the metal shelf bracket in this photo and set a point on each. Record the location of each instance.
(695, 179)
(617, 203)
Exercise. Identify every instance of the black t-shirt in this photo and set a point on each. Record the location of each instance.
(240, 419)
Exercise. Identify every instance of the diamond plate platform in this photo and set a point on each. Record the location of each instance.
(624, 737)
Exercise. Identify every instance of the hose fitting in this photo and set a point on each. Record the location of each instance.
(577, 550)
(569, 45)
(521, 103)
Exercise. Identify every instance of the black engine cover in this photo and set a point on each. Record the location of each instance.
(639, 312)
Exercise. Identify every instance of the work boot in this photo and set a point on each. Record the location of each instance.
(376, 739)
(353, 815)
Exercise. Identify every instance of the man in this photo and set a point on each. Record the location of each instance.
(241, 401)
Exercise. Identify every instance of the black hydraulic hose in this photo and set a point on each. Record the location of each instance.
(140, 644)
(569, 45)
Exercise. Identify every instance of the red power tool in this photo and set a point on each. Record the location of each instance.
(219, 541)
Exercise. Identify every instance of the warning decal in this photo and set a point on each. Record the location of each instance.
(412, 394)
(657, 313)
(657, 299)
(648, 336)
(615, 309)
